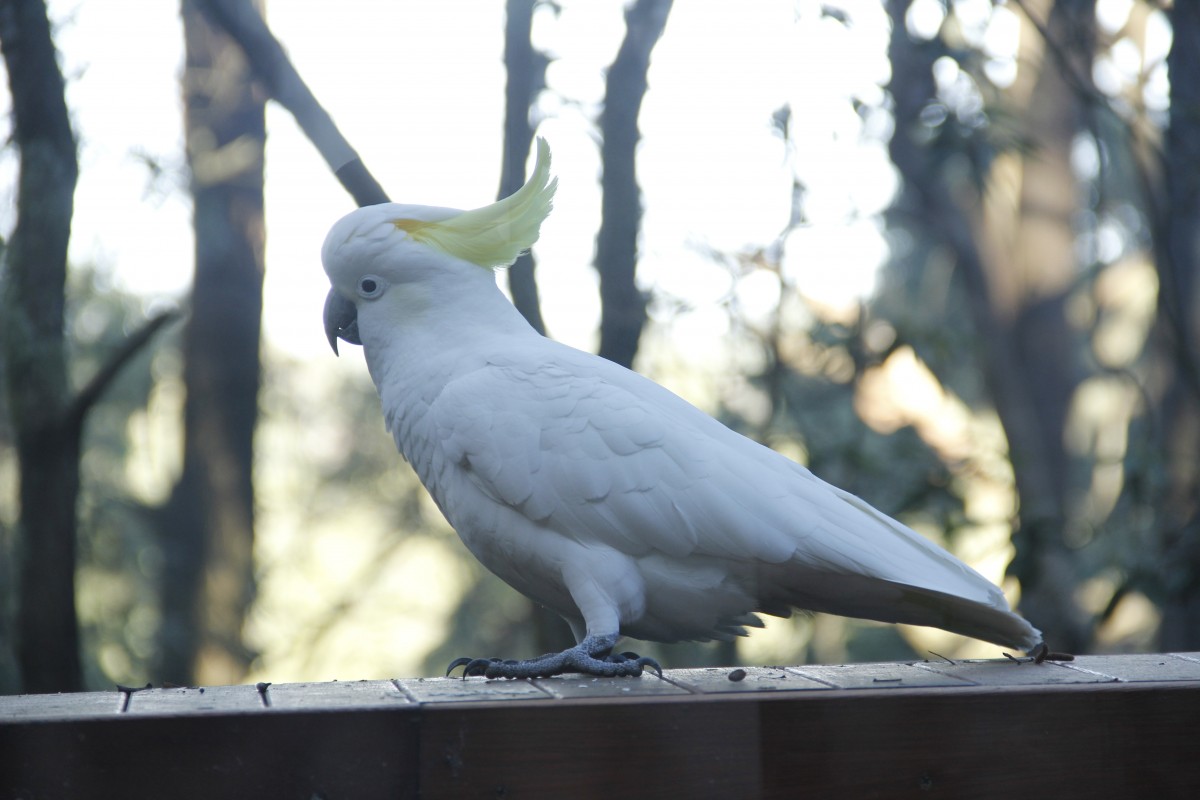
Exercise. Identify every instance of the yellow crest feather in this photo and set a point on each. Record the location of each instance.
(495, 235)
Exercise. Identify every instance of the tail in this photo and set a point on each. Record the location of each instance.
(800, 586)
(893, 574)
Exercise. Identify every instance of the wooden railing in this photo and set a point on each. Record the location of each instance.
(1101, 726)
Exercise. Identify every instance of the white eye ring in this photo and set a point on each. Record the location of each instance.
(370, 286)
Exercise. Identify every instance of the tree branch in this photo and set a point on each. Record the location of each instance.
(271, 65)
(94, 389)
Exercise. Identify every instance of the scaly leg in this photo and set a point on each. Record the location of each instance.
(592, 656)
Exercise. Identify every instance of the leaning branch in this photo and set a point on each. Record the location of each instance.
(94, 389)
(271, 65)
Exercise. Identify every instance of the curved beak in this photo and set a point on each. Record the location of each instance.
(341, 320)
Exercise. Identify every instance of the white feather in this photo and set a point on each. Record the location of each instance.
(608, 498)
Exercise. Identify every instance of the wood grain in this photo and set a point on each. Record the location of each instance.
(1098, 727)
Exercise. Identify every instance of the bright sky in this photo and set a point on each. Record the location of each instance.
(417, 89)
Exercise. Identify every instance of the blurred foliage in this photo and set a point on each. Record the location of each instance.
(118, 556)
(804, 377)
(9, 675)
(359, 576)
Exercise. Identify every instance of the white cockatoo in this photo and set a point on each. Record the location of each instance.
(593, 490)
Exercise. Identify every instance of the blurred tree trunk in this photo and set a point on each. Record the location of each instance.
(526, 69)
(623, 307)
(1176, 387)
(244, 23)
(1015, 252)
(208, 523)
(46, 421)
(1031, 267)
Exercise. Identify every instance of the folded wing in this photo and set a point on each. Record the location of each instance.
(598, 454)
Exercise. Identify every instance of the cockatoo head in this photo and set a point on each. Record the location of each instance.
(406, 251)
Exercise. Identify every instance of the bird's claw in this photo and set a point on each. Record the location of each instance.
(640, 662)
(1040, 655)
(576, 660)
(1043, 653)
(456, 663)
(474, 666)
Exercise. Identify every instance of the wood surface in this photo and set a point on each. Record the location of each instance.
(1101, 726)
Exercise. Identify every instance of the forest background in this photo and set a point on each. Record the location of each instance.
(942, 251)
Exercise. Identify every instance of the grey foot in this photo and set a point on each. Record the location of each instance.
(1041, 654)
(592, 656)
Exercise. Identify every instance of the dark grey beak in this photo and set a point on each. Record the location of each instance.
(341, 320)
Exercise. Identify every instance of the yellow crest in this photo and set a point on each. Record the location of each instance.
(493, 236)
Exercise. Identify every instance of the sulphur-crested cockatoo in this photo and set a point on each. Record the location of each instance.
(593, 490)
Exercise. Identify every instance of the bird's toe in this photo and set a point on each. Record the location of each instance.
(472, 666)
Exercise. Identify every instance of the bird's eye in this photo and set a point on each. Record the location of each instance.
(369, 287)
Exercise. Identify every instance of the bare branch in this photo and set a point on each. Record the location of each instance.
(95, 388)
(271, 65)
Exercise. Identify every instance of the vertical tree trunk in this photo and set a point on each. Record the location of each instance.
(46, 423)
(526, 70)
(1016, 283)
(1029, 278)
(208, 523)
(623, 307)
(1177, 339)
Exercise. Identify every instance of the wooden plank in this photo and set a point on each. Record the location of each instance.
(878, 676)
(1141, 667)
(195, 700)
(1070, 740)
(336, 695)
(79, 705)
(644, 748)
(1006, 672)
(1076, 740)
(1103, 726)
(724, 680)
(458, 690)
(648, 685)
(368, 755)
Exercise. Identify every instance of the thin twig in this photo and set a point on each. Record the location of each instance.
(942, 657)
(1079, 79)
(95, 388)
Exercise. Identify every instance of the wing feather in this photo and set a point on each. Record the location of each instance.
(606, 458)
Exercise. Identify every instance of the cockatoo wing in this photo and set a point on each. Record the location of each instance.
(585, 450)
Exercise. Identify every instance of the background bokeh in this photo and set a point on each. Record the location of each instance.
(941, 251)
